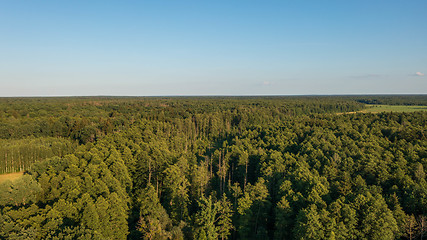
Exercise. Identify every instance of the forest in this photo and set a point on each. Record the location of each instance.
(277, 167)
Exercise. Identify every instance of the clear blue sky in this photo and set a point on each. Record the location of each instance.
(56, 48)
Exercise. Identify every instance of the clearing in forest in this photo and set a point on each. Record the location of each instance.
(10, 176)
(393, 108)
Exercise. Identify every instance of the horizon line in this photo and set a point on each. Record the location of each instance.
(218, 95)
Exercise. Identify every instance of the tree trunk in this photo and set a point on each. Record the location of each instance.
(149, 170)
(246, 174)
(211, 165)
(220, 172)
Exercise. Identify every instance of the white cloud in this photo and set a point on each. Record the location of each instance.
(419, 74)
(266, 83)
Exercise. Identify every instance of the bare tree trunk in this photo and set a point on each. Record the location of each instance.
(422, 224)
(246, 174)
(157, 185)
(149, 170)
(5, 162)
(11, 162)
(224, 182)
(211, 165)
(411, 227)
(220, 172)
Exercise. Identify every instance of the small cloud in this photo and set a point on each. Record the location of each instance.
(419, 74)
(266, 83)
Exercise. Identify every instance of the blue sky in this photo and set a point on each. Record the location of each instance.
(145, 48)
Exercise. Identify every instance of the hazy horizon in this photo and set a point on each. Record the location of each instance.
(221, 48)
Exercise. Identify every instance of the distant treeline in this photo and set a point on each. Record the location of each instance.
(393, 99)
(85, 119)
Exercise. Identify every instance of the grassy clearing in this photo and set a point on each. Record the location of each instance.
(393, 108)
(10, 176)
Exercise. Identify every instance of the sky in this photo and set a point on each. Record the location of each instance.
(158, 48)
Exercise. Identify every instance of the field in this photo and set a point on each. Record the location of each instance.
(10, 176)
(393, 108)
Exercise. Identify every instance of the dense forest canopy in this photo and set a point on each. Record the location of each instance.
(213, 168)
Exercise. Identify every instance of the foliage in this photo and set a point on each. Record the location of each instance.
(212, 167)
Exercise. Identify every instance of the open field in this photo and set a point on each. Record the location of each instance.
(393, 108)
(10, 176)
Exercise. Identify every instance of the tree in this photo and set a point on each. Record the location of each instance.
(225, 212)
(200, 178)
(422, 223)
(213, 220)
(309, 224)
(176, 185)
(118, 217)
(154, 222)
(253, 208)
(377, 220)
(411, 227)
(90, 217)
(19, 192)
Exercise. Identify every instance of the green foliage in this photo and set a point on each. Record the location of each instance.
(20, 192)
(213, 220)
(212, 168)
(70, 201)
(19, 154)
(154, 222)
